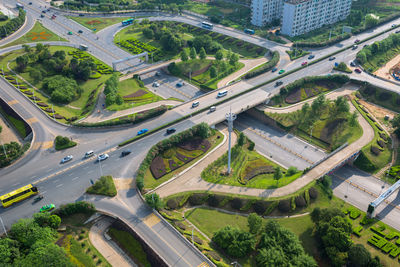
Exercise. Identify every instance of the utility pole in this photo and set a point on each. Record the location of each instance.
(330, 34)
(4, 228)
(230, 117)
(4, 149)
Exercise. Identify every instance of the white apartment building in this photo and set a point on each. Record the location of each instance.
(264, 11)
(302, 16)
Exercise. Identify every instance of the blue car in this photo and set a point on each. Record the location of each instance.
(274, 69)
(142, 131)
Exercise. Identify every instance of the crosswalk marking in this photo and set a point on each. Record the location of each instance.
(47, 144)
(151, 220)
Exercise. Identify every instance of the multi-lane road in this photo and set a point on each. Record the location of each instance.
(66, 183)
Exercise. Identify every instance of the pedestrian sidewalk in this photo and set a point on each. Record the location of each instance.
(113, 254)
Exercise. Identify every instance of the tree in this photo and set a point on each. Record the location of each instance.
(353, 118)
(148, 33)
(233, 59)
(26, 48)
(61, 89)
(36, 75)
(370, 21)
(277, 174)
(219, 55)
(22, 62)
(213, 72)
(341, 105)
(254, 222)
(318, 104)
(359, 256)
(184, 55)
(154, 201)
(203, 130)
(202, 54)
(9, 251)
(228, 54)
(283, 91)
(291, 171)
(241, 139)
(193, 54)
(236, 242)
(27, 232)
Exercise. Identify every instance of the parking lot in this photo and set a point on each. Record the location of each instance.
(169, 86)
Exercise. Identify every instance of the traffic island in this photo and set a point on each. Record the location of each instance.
(104, 186)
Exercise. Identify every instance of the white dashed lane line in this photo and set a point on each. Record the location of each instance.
(59, 185)
(75, 178)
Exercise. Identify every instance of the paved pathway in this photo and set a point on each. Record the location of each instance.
(114, 255)
(192, 181)
(249, 64)
(7, 134)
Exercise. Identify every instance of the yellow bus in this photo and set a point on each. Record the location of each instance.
(18, 195)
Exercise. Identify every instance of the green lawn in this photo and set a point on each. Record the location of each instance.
(73, 109)
(18, 125)
(244, 162)
(131, 86)
(150, 182)
(324, 134)
(385, 155)
(296, 53)
(97, 22)
(4, 22)
(104, 186)
(37, 34)
(130, 245)
(377, 60)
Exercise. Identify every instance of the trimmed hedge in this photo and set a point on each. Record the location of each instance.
(77, 207)
(104, 186)
(266, 67)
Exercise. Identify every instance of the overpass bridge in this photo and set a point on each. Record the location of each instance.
(374, 204)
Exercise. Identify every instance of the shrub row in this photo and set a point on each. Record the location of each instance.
(13, 25)
(242, 204)
(266, 67)
(77, 207)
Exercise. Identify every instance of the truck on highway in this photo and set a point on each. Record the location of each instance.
(83, 47)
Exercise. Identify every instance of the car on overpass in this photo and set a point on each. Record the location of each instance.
(66, 159)
(281, 71)
(311, 56)
(278, 83)
(125, 153)
(332, 58)
(274, 69)
(171, 130)
(143, 131)
(102, 157)
(47, 208)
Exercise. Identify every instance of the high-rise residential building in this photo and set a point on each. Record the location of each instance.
(302, 16)
(265, 11)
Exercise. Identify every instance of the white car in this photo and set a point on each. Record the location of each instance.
(66, 159)
(156, 84)
(102, 157)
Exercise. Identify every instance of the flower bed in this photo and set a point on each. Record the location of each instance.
(256, 171)
(196, 144)
(157, 167)
(137, 47)
(138, 93)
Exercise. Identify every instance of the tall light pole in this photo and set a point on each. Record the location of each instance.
(230, 117)
(4, 228)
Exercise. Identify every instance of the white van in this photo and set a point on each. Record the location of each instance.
(89, 154)
(213, 108)
(222, 93)
(195, 104)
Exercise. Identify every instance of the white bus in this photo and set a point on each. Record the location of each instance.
(19, 5)
(207, 25)
(222, 93)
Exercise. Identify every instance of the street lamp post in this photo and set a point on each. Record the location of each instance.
(230, 117)
(4, 149)
(4, 228)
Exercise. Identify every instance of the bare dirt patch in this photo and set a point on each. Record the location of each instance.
(379, 112)
(329, 130)
(138, 93)
(7, 134)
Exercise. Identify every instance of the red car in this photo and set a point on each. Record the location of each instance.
(304, 63)
(357, 70)
(357, 41)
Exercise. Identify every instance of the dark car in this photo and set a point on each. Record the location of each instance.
(80, 31)
(274, 69)
(311, 56)
(278, 83)
(171, 130)
(30, 3)
(357, 41)
(352, 64)
(332, 58)
(43, 11)
(42, 16)
(357, 70)
(125, 153)
(81, 15)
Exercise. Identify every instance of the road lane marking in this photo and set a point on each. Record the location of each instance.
(12, 102)
(203, 264)
(70, 174)
(90, 171)
(59, 185)
(151, 220)
(32, 120)
(175, 89)
(56, 181)
(75, 178)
